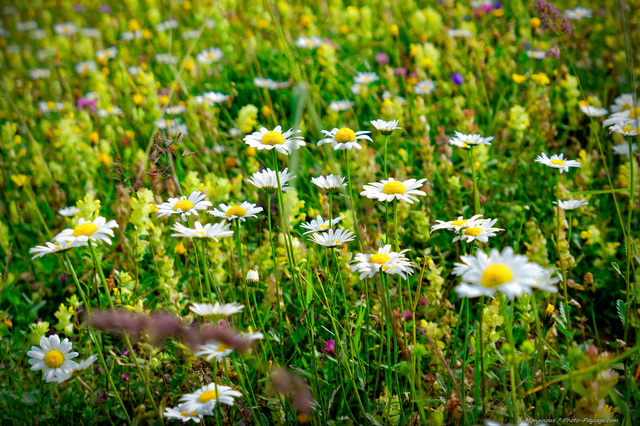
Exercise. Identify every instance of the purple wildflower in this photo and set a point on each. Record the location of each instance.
(457, 78)
(550, 16)
(330, 347)
(382, 58)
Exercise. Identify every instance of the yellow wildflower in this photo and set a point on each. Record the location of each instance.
(20, 180)
(540, 78)
(518, 78)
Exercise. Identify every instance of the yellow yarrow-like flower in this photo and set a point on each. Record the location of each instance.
(541, 79)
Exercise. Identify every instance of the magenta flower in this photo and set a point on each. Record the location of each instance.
(382, 58)
(330, 347)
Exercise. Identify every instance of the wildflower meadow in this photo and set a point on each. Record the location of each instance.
(378, 212)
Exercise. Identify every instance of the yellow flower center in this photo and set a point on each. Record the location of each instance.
(236, 211)
(184, 205)
(458, 222)
(496, 275)
(87, 229)
(558, 162)
(394, 187)
(223, 347)
(324, 226)
(272, 138)
(200, 232)
(192, 414)
(54, 359)
(208, 396)
(345, 135)
(625, 107)
(379, 258)
(635, 112)
(474, 232)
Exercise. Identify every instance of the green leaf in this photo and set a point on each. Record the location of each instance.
(622, 311)
(617, 268)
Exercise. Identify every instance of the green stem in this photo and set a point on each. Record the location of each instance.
(511, 355)
(386, 152)
(562, 268)
(107, 371)
(275, 274)
(476, 197)
(351, 205)
(144, 377)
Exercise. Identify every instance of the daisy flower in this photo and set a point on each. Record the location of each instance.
(344, 138)
(211, 98)
(391, 189)
(209, 56)
(578, 13)
(627, 130)
(183, 206)
(625, 117)
(464, 141)
(170, 24)
(332, 183)
(592, 111)
(112, 110)
(333, 238)
(217, 311)
(65, 29)
(453, 33)
(268, 181)
(106, 54)
(386, 127)
(252, 277)
(175, 109)
(623, 148)
(386, 260)
(48, 248)
(204, 400)
(215, 231)
(320, 225)
(180, 413)
(267, 83)
(506, 272)
(557, 162)
(424, 87)
(366, 78)
(455, 225)
(241, 212)
(572, 204)
(270, 139)
(85, 67)
(69, 211)
(480, 230)
(39, 73)
(166, 58)
(340, 106)
(97, 230)
(54, 358)
(218, 350)
(623, 102)
(537, 54)
(312, 42)
(545, 280)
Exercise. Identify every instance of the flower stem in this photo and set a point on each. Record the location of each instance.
(386, 152)
(511, 355)
(476, 197)
(92, 332)
(351, 205)
(275, 274)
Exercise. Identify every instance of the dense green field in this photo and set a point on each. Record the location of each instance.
(447, 234)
